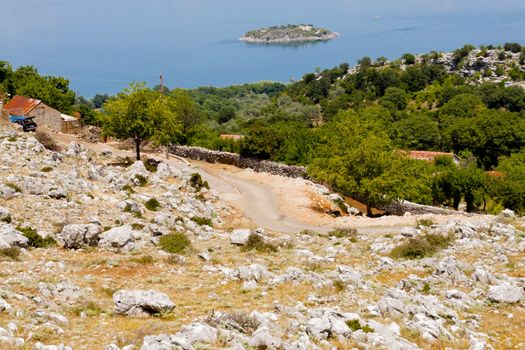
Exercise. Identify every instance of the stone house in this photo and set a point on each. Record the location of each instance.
(42, 114)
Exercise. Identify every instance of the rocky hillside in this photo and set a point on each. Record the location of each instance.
(98, 256)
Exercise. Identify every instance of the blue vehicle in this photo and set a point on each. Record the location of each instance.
(27, 123)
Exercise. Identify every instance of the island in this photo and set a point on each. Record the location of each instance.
(286, 34)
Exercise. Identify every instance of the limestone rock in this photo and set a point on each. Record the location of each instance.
(141, 302)
(76, 236)
(506, 293)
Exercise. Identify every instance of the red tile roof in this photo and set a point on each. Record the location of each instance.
(21, 105)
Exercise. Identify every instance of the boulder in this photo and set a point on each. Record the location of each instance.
(118, 237)
(7, 192)
(239, 236)
(141, 302)
(10, 237)
(76, 236)
(255, 272)
(263, 339)
(506, 293)
(198, 332)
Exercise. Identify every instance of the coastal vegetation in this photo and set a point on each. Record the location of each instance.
(352, 127)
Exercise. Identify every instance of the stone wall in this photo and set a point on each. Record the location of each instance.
(210, 156)
(402, 207)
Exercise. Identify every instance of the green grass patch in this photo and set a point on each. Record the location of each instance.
(422, 247)
(201, 221)
(144, 260)
(355, 325)
(137, 227)
(175, 243)
(152, 204)
(350, 233)
(90, 309)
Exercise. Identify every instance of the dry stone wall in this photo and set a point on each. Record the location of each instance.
(198, 153)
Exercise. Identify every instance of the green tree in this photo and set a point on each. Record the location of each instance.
(186, 110)
(510, 189)
(141, 114)
(395, 98)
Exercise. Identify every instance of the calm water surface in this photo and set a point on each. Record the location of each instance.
(102, 45)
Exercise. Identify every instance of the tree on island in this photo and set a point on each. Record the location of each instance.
(141, 114)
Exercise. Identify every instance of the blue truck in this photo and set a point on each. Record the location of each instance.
(27, 123)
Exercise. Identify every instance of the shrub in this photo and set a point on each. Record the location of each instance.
(350, 233)
(8, 219)
(438, 240)
(415, 248)
(241, 321)
(137, 227)
(14, 187)
(11, 253)
(197, 183)
(90, 309)
(142, 180)
(151, 165)
(35, 240)
(175, 243)
(425, 222)
(46, 169)
(201, 221)
(355, 325)
(47, 141)
(145, 260)
(128, 189)
(339, 286)
(152, 204)
(256, 242)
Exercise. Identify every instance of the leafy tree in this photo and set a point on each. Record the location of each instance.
(186, 110)
(356, 158)
(510, 189)
(141, 114)
(409, 58)
(395, 98)
(99, 99)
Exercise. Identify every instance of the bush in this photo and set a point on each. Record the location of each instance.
(256, 242)
(46, 169)
(47, 141)
(201, 221)
(8, 219)
(197, 183)
(343, 233)
(145, 260)
(152, 204)
(11, 253)
(425, 222)
(128, 189)
(355, 325)
(136, 226)
(175, 243)
(151, 165)
(35, 240)
(142, 180)
(90, 309)
(417, 248)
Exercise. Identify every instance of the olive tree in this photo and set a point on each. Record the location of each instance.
(141, 114)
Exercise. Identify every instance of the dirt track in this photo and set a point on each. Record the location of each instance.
(272, 202)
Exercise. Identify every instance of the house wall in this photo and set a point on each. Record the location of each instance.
(45, 115)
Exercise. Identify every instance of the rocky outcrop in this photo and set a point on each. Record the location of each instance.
(141, 302)
(76, 236)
